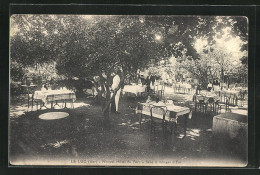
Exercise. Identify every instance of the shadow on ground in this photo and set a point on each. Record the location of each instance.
(82, 134)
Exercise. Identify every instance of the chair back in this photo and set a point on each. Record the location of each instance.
(211, 100)
(200, 98)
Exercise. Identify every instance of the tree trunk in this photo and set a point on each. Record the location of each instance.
(106, 113)
(105, 107)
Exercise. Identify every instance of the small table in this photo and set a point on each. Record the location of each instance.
(55, 96)
(165, 112)
(134, 89)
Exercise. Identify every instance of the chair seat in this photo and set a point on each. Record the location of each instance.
(201, 102)
(221, 104)
(37, 100)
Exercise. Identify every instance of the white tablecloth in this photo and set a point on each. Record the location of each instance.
(182, 85)
(207, 95)
(171, 111)
(135, 89)
(54, 95)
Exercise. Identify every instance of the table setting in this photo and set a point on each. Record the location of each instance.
(51, 96)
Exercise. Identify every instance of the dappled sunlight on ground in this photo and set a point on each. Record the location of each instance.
(83, 134)
(168, 90)
(80, 104)
(16, 111)
(193, 133)
(55, 144)
(53, 115)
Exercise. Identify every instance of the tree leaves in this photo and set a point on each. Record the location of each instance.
(85, 45)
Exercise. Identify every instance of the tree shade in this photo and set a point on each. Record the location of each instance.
(85, 46)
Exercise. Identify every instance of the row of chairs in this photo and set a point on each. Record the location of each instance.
(162, 122)
(231, 98)
(159, 89)
(210, 105)
(183, 90)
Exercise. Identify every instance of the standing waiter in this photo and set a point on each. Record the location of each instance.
(115, 86)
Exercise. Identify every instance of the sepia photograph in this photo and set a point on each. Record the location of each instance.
(128, 90)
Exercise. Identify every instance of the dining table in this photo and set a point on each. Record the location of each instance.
(169, 113)
(55, 96)
(136, 89)
(209, 94)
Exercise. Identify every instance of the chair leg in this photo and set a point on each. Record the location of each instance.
(36, 105)
(140, 121)
(72, 104)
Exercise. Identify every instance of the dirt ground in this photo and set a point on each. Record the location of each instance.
(82, 137)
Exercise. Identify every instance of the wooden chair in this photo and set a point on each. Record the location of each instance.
(71, 101)
(153, 121)
(220, 105)
(175, 88)
(200, 103)
(160, 91)
(211, 105)
(32, 101)
(233, 100)
(38, 102)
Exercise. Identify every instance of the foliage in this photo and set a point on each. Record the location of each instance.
(221, 51)
(16, 71)
(86, 46)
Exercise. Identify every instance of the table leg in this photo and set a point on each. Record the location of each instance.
(185, 124)
(174, 128)
(56, 103)
(171, 127)
(72, 103)
(32, 101)
(163, 127)
(140, 121)
(36, 106)
(28, 101)
(65, 105)
(152, 127)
